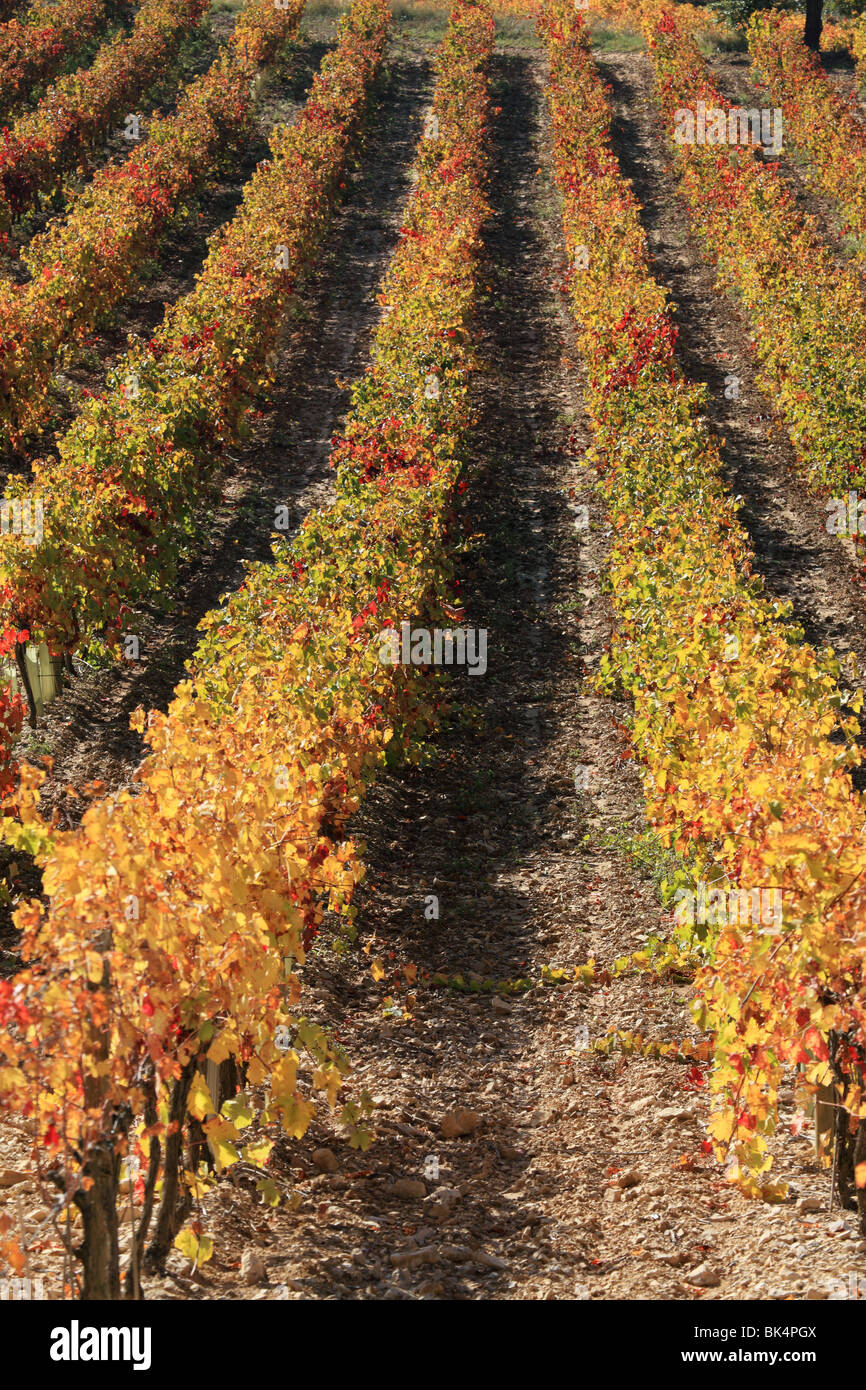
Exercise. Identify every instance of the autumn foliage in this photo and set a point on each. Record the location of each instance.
(82, 265)
(819, 122)
(858, 48)
(807, 315)
(35, 46)
(78, 109)
(127, 490)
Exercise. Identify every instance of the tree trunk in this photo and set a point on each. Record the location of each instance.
(99, 1252)
(133, 1273)
(850, 1137)
(21, 663)
(814, 24)
(859, 1158)
(174, 1202)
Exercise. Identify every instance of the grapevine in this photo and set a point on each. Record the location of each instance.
(79, 108)
(34, 47)
(82, 265)
(808, 316)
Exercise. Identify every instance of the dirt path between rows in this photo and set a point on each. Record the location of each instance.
(579, 1176)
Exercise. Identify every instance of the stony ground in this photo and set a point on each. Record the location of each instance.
(508, 1161)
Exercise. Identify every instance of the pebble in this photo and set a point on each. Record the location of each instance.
(414, 1258)
(459, 1253)
(458, 1121)
(492, 1261)
(441, 1202)
(430, 1288)
(809, 1204)
(501, 1006)
(630, 1178)
(674, 1112)
(706, 1276)
(545, 1115)
(462, 1254)
(637, 1106)
(10, 1177)
(326, 1160)
(253, 1267)
(409, 1187)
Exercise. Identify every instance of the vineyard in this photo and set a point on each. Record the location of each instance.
(432, 626)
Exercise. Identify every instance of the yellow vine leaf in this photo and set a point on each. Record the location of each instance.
(199, 1102)
(268, 1191)
(258, 1153)
(197, 1250)
(238, 1111)
(220, 1135)
(219, 1050)
(721, 1126)
(95, 966)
